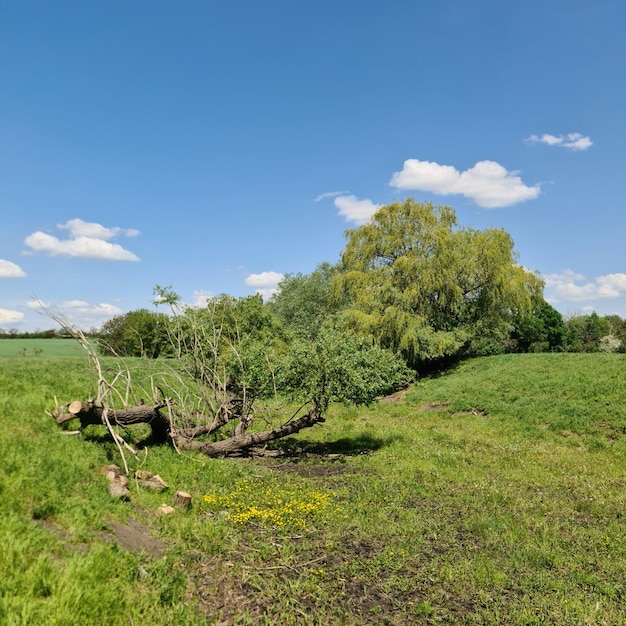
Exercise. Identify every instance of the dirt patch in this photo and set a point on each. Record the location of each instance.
(395, 397)
(311, 470)
(135, 537)
(433, 406)
(62, 535)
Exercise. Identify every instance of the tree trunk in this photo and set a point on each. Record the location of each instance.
(92, 413)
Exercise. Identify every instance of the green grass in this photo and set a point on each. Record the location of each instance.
(37, 348)
(493, 494)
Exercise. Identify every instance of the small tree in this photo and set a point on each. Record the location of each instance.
(617, 330)
(305, 302)
(141, 333)
(584, 332)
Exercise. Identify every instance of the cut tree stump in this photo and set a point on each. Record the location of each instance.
(182, 500)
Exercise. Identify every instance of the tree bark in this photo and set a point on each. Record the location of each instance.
(91, 413)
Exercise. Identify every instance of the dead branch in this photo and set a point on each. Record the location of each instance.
(238, 443)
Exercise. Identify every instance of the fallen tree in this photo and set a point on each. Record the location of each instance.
(231, 383)
(92, 413)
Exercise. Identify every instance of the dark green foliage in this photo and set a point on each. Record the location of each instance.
(140, 333)
(304, 302)
(52, 333)
(542, 330)
(585, 332)
(239, 345)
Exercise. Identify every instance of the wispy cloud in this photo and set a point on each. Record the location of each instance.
(356, 210)
(10, 317)
(568, 286)
(80, 228)
(573, 141)
(265, 283)
(488, 184)
(79, 312)
(10, 270)
(330, 194)
(87, 240)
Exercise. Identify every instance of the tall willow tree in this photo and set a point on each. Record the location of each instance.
(419, 284)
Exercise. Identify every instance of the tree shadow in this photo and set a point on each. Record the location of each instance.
(138, 436)
(363, 443)
(440, 367)
(289, 447)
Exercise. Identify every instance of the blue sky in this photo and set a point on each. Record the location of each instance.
(216, 145)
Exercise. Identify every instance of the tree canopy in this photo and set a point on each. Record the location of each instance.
(304, 302)
(140, 333)
(540, 330)
(418, 284)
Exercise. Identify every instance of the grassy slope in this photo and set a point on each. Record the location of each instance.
(491, 495)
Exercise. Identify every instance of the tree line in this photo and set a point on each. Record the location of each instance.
(412, 282)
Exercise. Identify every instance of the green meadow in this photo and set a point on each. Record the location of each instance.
(27, 347)
(492, 494)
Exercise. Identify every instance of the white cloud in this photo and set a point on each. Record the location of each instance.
(87, 240)
(266, 283)
(264, 279)
(10, 270)
(573, 141)
(571, 287)
(355, 210)
(330, 194)
(80, 228)
(487, 183)
(10, 317)
(80, 313)
(200, 298)
(37, 304)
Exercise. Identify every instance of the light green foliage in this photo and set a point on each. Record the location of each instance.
(422, 286)
(230, 341)
(341, 367)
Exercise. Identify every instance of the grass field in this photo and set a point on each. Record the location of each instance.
(54, 347)
(493, 494)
